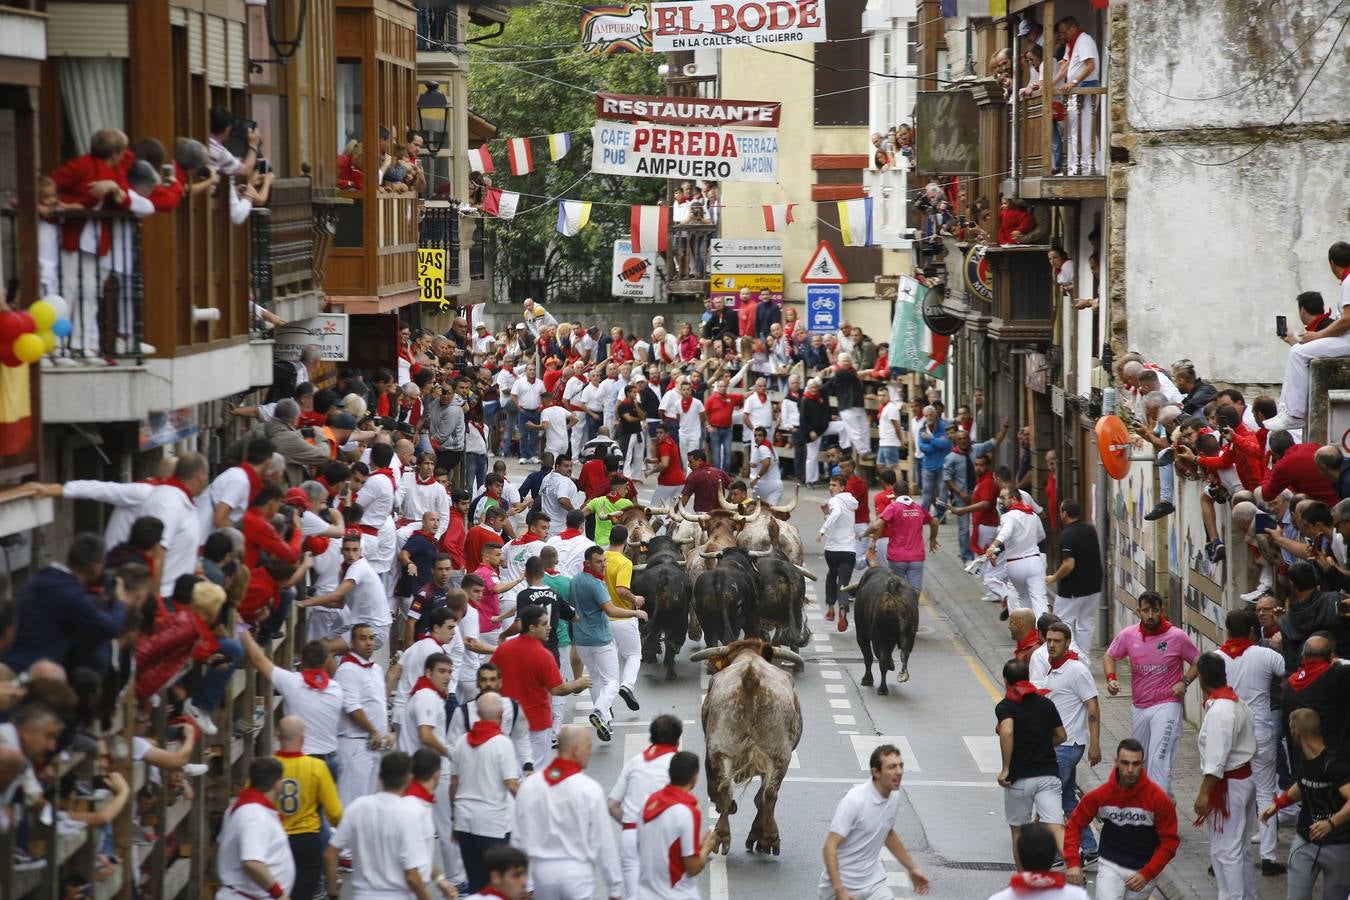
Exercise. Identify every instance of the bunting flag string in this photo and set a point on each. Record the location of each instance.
(500, 203)
(777, 216)
(855, 222)
(650, 226)
(520, 156)
(573, 215)
(559, 144)
(480, 160)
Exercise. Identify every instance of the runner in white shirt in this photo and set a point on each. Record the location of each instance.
(311, 693)
(127, 500)
(671, 851)
(419, 802)
(1037, 850)
(756, 412)
(766, 481)
(571, 544)
(561, 823)
(422, 493)
(890, 433)
(642, 775)
(693, 421)
(558, 495)
(253, 855)
(386, 864)
(174, 504)
(423, 726)
(441, 625)
(556, 421)
(363, 731)
(513, 722)
(1020, 531)
(609, 392)
(528, 393)
(227, 499)
(574, 400)
(1227, 742)
(469, 635)
(863, 824)
(1074, 693)
(514, 556)
(361, 593)
(485, 780)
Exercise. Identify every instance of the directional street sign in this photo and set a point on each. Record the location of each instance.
(733, 283)
(753, 247)
(746, 265)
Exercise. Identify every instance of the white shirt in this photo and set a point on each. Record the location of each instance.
(420, 499)
(413, 662)
(571, 553)
(1084, 49)
(691, 423)
(772, 476)
(575, 385)
(592, 396)
(127, 501)
(568, 820)
(887, 423)
(915, 429)
(1227, 737)
(483, 803)
(1249, 676)
(504, 380)
(182, 532)
(378, 497)
(554, 488)
(836, 532)
(608, 395)
(555, 438)
(470, 628)
(527, 393)
(1039, 665)
(759, 411)
(321, 710)
(425, 707)
(374, 829)
(363, 689)
(421, 827)
(252, 833)
(1071, 686)
(639, 778)
(475, 438)
(1019, 533)
(789, 414)
(232, 488)
(673, 829)
(863, 819)
(670, 403)
(367, 601)
(515, 554)
(514, 726)
(327, 566)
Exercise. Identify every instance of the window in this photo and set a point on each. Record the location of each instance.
(350, 127)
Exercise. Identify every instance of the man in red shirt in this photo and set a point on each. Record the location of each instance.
(862, 516)
(667, 468)
(983, 512)
(455, 534)
(261, 536)
(596, 475)
(530, 676)
(745, 313)
(1296, 468)
(880, 500)
(703, 483)
(489, 531)
(719, 406)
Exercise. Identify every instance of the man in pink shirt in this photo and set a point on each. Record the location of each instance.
(1162, 665)
(490, 606)
(902, 524)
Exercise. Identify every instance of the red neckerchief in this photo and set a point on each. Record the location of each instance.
(1270, 630)
(1026, 882)
(658, 750)
(482, 732)
(1019, 689)
(1056, 663)
(1318, 322)
(528, 537)
(1028, 643)
(174, 481)
(332, 491)
(560, 770)
(364, 529)
(659, 802)
(315, 679)
(766, 443)
(418, 479)
(1162, 628)
(249, 795)
(425, 683)
(415, 789)
(568, 533)
(1019, 506)
(593, 575)
(685, 403)
(342, 572)
(388, 473)
(255, 482)
(1223, 693)
(1235, 647)
(353, 658)
(813, 393)
(288, 754)
(1310, 671)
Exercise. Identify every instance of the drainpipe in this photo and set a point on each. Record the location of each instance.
(1015, 169)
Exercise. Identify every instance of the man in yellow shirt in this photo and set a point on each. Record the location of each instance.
(627, 635)
(306, 784)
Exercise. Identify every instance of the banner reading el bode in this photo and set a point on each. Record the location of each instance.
(668, 151)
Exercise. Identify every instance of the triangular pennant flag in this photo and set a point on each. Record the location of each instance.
(777, 216)
(649, 228)
(855, 222)
(509, 202)
(480, 160)
(522, 160)
(559, 144)
(573, 216)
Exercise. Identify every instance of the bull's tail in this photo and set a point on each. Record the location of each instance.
(750, 762)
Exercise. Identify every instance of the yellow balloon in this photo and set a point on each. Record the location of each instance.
(44, 315)
(48, 341)
(29, 348)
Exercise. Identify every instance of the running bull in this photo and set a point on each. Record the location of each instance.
(752, 721)
(663, 581)
(782, 598)
(726, 597)
(886, 616)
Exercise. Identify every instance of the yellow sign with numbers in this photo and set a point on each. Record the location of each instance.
(431, 276)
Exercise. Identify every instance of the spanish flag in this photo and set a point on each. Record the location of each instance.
(16, 409)
(573, 216)
(855, 222)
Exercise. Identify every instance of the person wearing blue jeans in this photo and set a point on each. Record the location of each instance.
(1074, 692)
(210, 691)
(529, 438)
(509, 419)
(910, 571)
(719, 440)
(935, 445)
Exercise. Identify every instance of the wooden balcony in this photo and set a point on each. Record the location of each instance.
(283, 237)
(1023, 308)
(1037, 133)
(687, 251)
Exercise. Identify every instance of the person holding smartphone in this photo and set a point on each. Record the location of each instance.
(1331, 341)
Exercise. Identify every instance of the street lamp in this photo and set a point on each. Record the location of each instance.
(283, 47)
(433, 118)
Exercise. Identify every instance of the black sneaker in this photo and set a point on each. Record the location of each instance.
(1089, 857)
(1164, 457)
(1270, 867)
(601, 729)
(1215, 551)
(629, 697)
(1161, 511)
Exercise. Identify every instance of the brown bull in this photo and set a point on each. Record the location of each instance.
(752, 721)
(717, 531)
(767, 527)
(638, 521)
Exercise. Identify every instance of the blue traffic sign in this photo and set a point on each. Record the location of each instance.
(824, 307)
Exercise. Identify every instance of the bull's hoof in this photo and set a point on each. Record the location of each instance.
(902, 677)
(762, 844)
(866, 680)
(670, 674)
(723, 844)
(883, 690)
(649, 659)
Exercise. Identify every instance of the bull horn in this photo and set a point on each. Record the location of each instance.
(707, 555)
(741, 518)
(758, 553)
(807, 572)
(722, 501)
(790, 655)
(706, 653)
(639, 567)
(791, 506)
(851, 588)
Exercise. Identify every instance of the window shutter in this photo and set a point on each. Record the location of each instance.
(88, 29)
(238, 53)
(215, 51)
(196, 41)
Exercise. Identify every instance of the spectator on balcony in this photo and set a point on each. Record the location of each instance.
(417, 177)
(536, 317)
(351, 164)
(767, 313)
(394, 173)
(1083, 71)
(1061, 265)
(721, 321)
(712, 199)
(300, 453)
(224, 123)
(1014, 220)
(1196, 393)
(689, 343)
(1333, 340)
(746, 312)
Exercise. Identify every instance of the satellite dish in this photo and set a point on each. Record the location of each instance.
(1113, 444)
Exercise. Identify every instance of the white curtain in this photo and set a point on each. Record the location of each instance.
(92, 91)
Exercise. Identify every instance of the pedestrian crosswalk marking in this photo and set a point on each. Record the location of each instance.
(985, 750)
(633, 744)
(828, 662)
(864, 744)
(585, 706)
(845, 720)
(838, 703)
(832, 675)
(834, 689)
(795, 762)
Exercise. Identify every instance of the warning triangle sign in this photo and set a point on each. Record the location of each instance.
(824, 267)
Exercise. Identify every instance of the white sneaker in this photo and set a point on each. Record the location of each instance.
(196, 770)
(1253, 596)
(1283, 422)
(202, 719)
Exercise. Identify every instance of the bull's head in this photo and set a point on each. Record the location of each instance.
(730, 507)
(720, 657)
(758, 554)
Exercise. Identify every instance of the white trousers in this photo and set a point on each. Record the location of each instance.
(993, 574)
(812, 473)
(1080, 614)
(562, 879)
(603, 664)
(628, 859)
(360, 768)
(1027, 575)
(559, 704)
(879, 891)
(635, 460)
(452, 864)
(1158, 728)
(628, 643)
(845, 439)
(855, 422)
(1230, 843)
(687, 444)
(1294, 392)
(1265, 785)
(662, 494)
(860, 542)
(578, 435)
(541, 748)
(769, 491)
(1111, 880)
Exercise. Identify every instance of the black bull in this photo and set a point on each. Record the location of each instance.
(758, 597)
(663, 581)
(886, 616)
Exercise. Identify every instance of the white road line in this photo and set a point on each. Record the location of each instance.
(585, 720)
(832, 675)
(794, 763)
(633, 744)
(828, 662)
(863, 745)
(836, 703)
(985, 750)
(834, 688)
(845, 720)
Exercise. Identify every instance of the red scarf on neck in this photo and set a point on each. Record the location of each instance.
(528, 537)
(1235, 647)
(656, 751)
(1223, 693)
(415, 789)
(1028, 643)
(1162, 628)
(659, 802)
(560, 770)
(430, 480)
(568, 533)
(426, 534)
(331, 489)
(482, 732)
(1310, 671)
(315, 679)
(1056, 663)
(1028, 882)
(175, 481)
(255, 482)
(1019, 689)
(686, 402)
(353, 658)
(1019, 506)
(249, 795)
(425, 683)
(388, 473)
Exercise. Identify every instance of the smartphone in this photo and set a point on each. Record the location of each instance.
(1281, 326)
(167, 171)
(1264, 521)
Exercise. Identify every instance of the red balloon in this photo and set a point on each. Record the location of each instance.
(26, 320)
(11, 326)
(7, 356)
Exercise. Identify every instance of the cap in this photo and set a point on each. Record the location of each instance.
(482, 325)
(296, 497)
(520, 326)
(639, 377)
(343, 420)
(1024, 27)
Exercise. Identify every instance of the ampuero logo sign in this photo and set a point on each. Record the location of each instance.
(616, 29)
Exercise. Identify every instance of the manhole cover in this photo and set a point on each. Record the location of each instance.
(978, 866)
